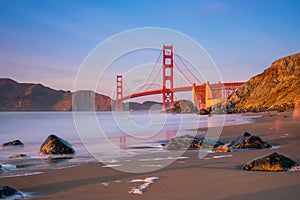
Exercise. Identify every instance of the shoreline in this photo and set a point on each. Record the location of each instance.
(217, 176)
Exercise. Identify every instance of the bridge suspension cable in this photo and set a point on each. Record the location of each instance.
(188, 69)
(150, 76)
(127, 88)
(181, 72)
(202, 93)
(154, 81)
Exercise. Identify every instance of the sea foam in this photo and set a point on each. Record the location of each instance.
(146, 183)
(22, 174)
(7, 168)
(160, 158)
(222, 156)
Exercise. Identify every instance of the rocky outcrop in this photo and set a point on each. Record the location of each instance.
(222, 108)
(204, 111)
(147, 105)
(36, 97)
(248, 141)
(13, 143)
(6, 192)
(183, 106)
(56, 145)
(272, 162)
(276, 89)
(188, 142)
(18, 156)
(183, 143)
(221, 148)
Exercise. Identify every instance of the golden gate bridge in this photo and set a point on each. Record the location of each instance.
(203, 94)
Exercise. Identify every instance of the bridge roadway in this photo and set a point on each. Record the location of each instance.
(227, 85)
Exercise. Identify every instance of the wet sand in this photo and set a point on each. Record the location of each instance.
(189, 178)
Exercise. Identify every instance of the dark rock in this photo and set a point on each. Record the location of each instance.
(57, 159)
(7, 191)
(209, 144)
(222, 108)
(18, 156)
(56, 145)
(203, 111)
(188, 142)
(173, 110)
(13, 143)
(183, 143)
(272, 162)
(240, 138)
(183, 106)
(147, 105)
(248, 141)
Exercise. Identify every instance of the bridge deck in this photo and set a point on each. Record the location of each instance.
(225, 86)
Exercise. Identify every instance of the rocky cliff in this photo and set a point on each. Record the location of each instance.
(16, 96)
(277, 88)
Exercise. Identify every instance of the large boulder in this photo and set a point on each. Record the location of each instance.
(183, 106)
(7, 191)
(189, 142)
(248, 141)
(204, 111)
(222, 108)
(183, 143)
(13, 143)
(18, 156)
(272, 162)
(56, 145)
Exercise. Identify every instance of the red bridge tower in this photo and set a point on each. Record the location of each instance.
(167, 67)
(119, 103)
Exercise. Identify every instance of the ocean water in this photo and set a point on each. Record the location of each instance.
(105, 133)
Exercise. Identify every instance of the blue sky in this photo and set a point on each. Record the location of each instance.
(46, 41)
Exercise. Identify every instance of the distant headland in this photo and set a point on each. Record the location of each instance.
(276, 89)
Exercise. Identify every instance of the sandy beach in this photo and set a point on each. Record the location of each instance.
(217, 176)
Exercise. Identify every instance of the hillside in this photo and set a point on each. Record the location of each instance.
(16, 96)
(84, 101)
(147, 105)
(277, 88)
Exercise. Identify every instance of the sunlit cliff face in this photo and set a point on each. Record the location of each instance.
(296, 112)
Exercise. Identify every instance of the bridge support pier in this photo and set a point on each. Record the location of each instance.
(199, 95)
